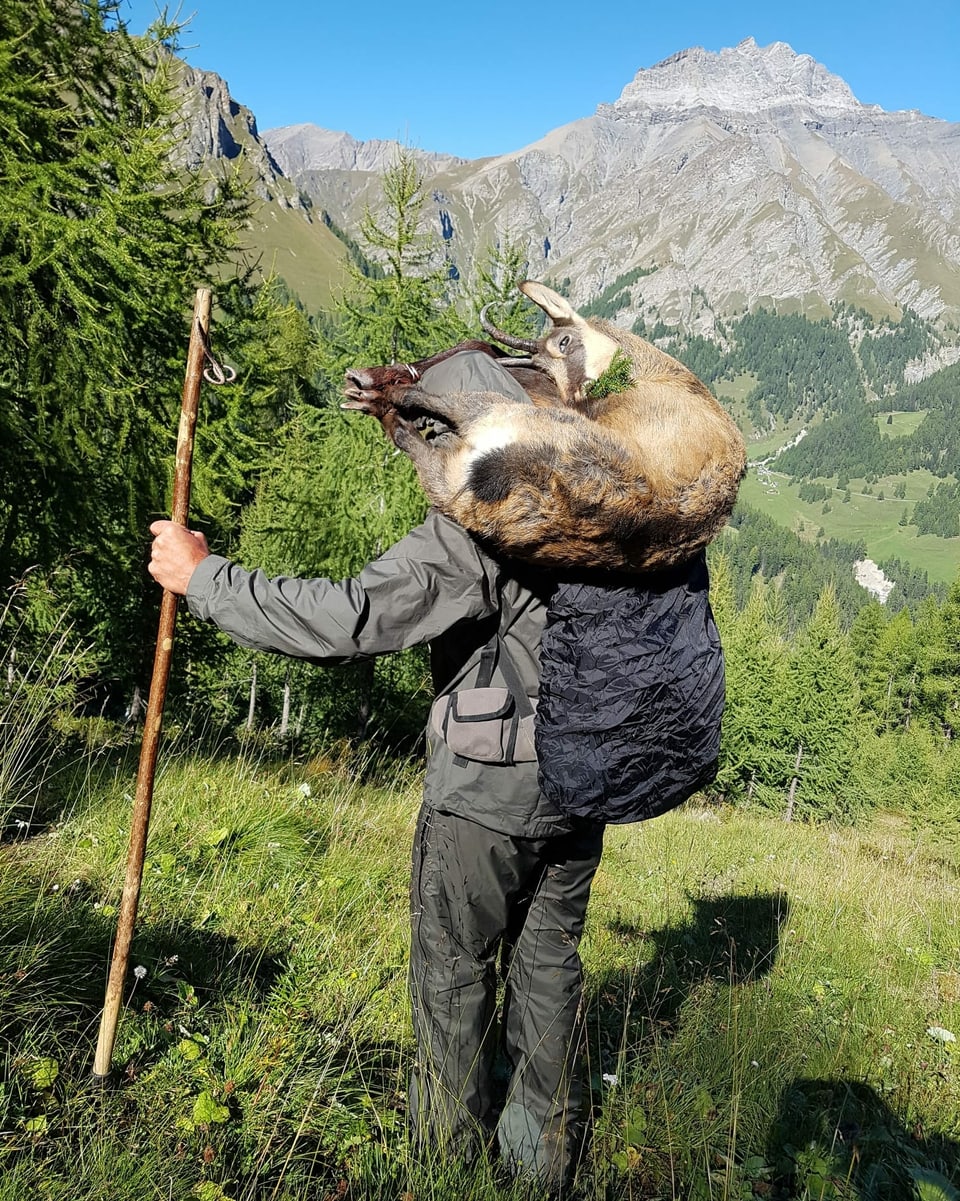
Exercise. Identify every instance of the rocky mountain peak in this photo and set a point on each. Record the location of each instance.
(214, 127)
(750, 176)
(744, 79)
(308, 147)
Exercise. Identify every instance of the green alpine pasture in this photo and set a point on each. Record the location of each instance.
(871, 515)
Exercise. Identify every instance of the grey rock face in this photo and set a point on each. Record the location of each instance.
(213, 126)
(745, 79)
(301, 148)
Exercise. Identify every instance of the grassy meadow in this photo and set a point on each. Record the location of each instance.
(865, 516)
(771, 1006)
(873, 512)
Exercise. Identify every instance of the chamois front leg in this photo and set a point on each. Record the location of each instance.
(430, 459)
(381, 406)
(459, 410)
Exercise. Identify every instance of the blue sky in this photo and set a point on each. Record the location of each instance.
(479, 79)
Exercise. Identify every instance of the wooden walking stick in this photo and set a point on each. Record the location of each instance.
(140, 819)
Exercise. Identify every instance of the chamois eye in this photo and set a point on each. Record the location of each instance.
(563, 343)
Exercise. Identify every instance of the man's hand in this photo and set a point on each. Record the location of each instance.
(176, 552)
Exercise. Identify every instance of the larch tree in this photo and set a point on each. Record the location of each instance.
(254, 489)
(102, 244)
(497, 274)
(821, 705)
(893, 679)
(342, 493)
(723, 599)
(403, 310)
(865, 631)
(754, 751)
(938, 636)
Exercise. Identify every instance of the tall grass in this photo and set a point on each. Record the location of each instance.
(37, 683)
(771, 1004)
(760, 996)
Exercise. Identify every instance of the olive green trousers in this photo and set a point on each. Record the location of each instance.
(482, 900)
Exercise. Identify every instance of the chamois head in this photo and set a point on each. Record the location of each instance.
(573, 353)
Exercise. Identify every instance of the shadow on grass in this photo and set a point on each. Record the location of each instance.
(832, 1139)
(839, 1139)
(635, 1023)
(55, 949)
(312, 1108)
(730, 939)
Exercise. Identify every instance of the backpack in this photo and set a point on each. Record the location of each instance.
(627, 724)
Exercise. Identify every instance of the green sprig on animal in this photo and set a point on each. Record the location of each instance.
(617, 377)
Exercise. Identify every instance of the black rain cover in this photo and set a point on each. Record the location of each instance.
(631, 695)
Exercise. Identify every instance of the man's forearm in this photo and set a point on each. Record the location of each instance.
(316, 619)
(425, 585)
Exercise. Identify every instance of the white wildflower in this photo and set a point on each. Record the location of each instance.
(305, 790)
(140, 972)
(609, 1078)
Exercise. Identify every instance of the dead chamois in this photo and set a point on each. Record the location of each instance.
(637, 480)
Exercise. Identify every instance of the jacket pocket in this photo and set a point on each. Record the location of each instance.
(482, 725)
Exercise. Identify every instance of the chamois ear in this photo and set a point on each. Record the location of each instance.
(557, 307)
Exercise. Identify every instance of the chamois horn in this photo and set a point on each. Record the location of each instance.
(527, 344)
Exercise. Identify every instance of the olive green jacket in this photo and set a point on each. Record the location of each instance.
(436, 586)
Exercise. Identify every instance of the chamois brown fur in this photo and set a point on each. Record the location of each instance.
(638, 480)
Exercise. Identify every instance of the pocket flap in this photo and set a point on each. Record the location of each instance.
(481, 704)
(479, 724)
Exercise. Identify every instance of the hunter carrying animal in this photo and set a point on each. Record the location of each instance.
(503, 861)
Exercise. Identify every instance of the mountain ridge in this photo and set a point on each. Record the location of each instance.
(677, 215)
(733, 179)
(751, 174)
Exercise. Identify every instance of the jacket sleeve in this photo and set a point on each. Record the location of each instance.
(424, 585)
